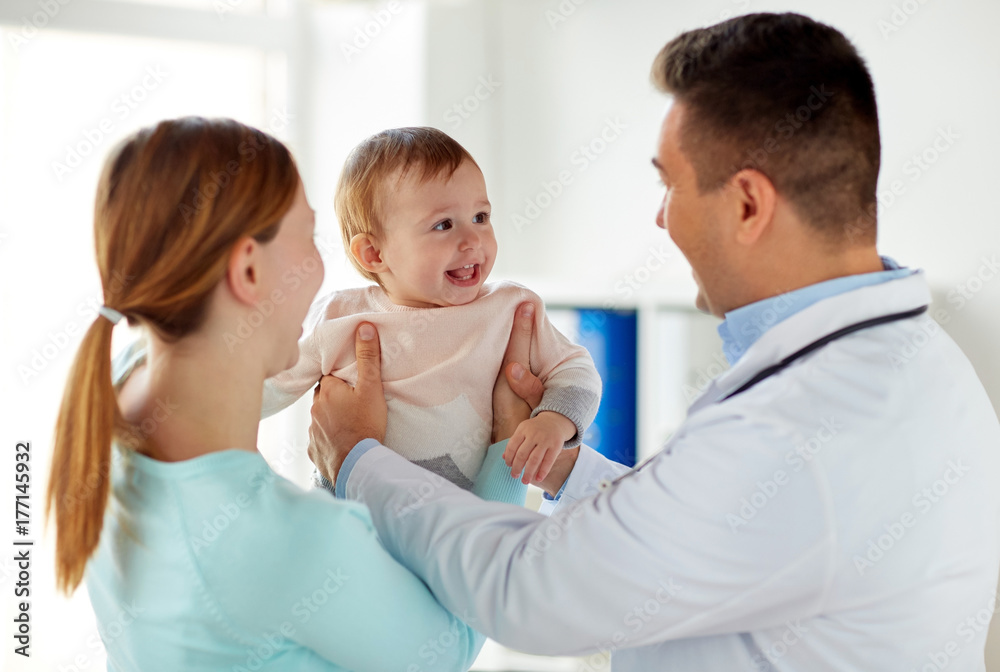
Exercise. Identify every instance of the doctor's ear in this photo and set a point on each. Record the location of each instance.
(367, 251)
(753, 195)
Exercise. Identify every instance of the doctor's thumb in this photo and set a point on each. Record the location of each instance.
(524, 384)
(366, 346)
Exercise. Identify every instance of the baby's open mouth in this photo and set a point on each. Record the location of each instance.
(466, 276)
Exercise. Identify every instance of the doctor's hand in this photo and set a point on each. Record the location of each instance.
(343, 415)
(517, 391)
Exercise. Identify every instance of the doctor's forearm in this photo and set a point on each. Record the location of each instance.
(511, 573)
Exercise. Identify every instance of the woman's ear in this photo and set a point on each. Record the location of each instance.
(366, 250)
(243, 273)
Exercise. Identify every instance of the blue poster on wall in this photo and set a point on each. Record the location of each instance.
(611, 339)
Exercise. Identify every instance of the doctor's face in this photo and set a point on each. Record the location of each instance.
(693, 219)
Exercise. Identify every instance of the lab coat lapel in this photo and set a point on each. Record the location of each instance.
(815, 322)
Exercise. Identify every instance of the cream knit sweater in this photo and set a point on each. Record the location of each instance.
(438, 370)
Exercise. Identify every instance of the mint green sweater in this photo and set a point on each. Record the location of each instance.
(217, 563)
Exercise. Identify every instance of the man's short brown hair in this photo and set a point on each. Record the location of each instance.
(789, 97)
(362, 186)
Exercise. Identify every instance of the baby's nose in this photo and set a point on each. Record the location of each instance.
(470, 239)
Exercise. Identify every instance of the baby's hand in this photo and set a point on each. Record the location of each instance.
(536, 443)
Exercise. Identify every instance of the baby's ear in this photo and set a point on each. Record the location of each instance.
(365, 248)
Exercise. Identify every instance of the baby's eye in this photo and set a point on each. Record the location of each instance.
(481, 218)
(443, 225)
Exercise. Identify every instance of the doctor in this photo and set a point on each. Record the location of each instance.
(832, 501)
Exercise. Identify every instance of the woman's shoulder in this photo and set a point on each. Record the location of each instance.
(269, 539)
(270, 514)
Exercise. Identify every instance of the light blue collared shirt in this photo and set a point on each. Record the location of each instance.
(746, 324)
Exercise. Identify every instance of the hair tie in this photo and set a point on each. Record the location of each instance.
(113, 315)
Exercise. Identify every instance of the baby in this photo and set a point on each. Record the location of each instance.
(415, 220)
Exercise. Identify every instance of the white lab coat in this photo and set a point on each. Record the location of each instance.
(843, 514)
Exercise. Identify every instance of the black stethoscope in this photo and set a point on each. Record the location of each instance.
(769, 371)
(816, 345)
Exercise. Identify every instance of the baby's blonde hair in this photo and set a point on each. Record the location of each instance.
(361, 187)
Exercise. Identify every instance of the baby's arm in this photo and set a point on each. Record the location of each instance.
(285, 388)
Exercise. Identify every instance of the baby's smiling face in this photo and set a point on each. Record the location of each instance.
(437, 245)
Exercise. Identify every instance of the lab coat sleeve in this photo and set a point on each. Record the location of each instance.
(658, 555)
(591, 470)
